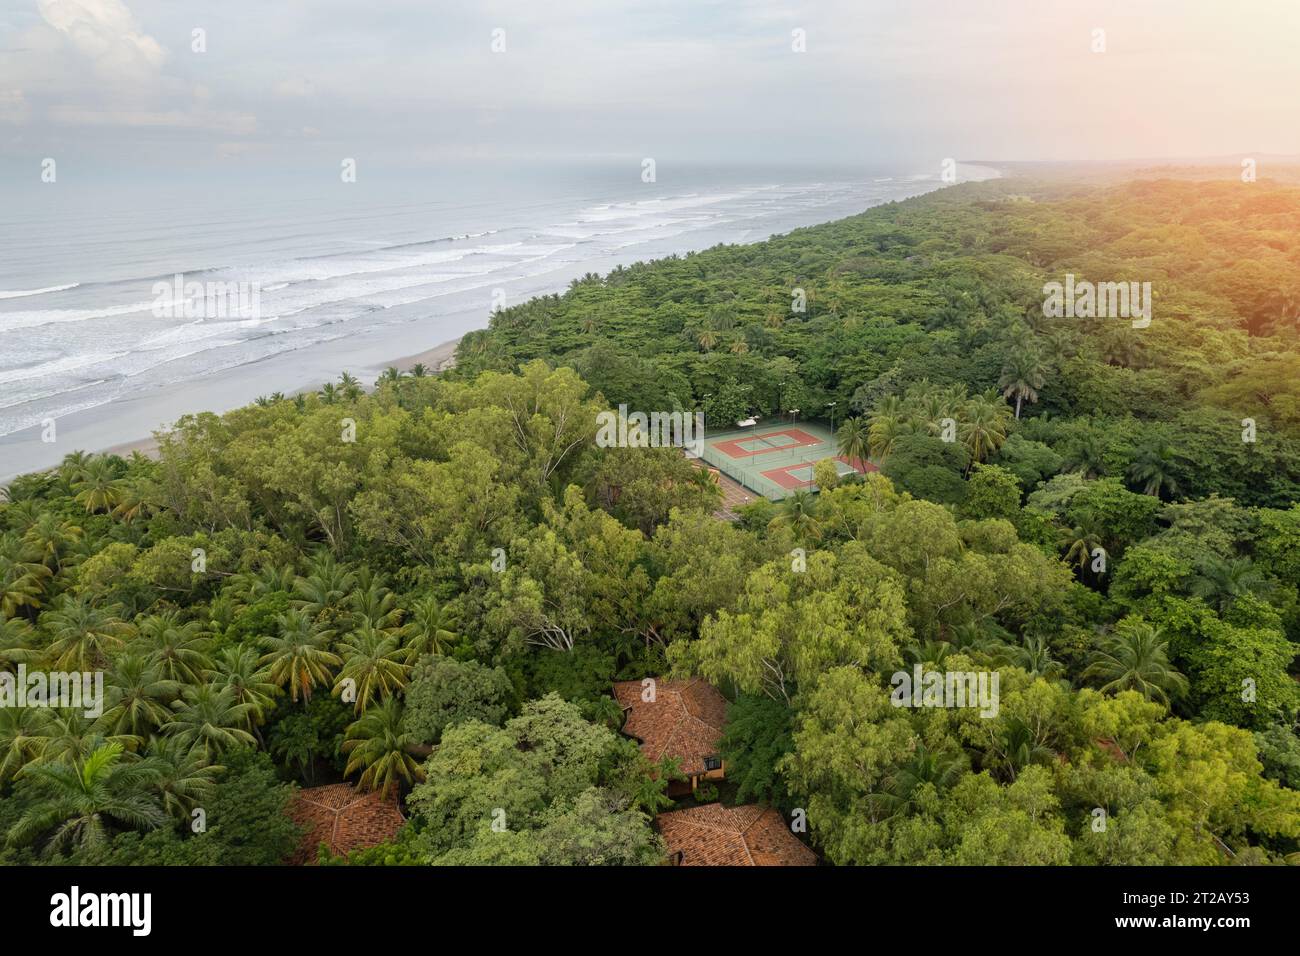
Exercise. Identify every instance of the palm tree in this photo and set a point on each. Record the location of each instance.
(15, 643)
(984, 425)
(23, 513)
(70, 736)
(84, 800)
(298, 656)
(941, 769)
(240, 670)
(96, 487)
(932, 405)
(350, 387)
(134, 500)
(23, 734)
(183, 777)
(326, 587)
(50, 539)
(390, 374)
(373, 601)
(1079, 544)
(1121, 347)
(272, 579)
(378, 746)
(375, 662)
(1153, 468)
(1023, 375)
(419, 370)
(1223, 581)
(927, 652)
(209, 720)
(1136, 658)
(884, 432)
(179, 651)
(884, 423)
(854, 441)
(1086, 455)
(799, 511)
(136, 697)
(1058, 346)
(1033, 656)
(431, 629)
(85, 636)
(22, 580)
(707, 339)
(72, 466)
(221, 613)
(329, 393)
(1019, 746)
(982, 636)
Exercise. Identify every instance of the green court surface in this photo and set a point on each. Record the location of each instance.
(774, 459)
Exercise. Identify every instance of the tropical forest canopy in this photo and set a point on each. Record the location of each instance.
(428, 589)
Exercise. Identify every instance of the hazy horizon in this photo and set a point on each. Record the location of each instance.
(118, 83)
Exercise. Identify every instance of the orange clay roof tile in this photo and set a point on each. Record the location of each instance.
(343, 818)
(714, 835)
(684, 720)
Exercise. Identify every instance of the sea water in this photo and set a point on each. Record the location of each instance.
(349, 275)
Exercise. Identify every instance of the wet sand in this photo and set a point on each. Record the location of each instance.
(108, 429)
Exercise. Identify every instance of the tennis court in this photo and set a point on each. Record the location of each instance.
(776, 459)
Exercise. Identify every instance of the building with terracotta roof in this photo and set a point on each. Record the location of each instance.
(678, 719)
(714, 835)
(344, 819)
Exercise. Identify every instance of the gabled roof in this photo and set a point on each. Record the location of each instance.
(343, 818)
(714, 835)
(684, 720)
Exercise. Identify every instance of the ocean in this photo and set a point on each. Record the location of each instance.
(348, 276)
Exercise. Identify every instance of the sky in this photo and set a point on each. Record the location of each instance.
(418, 81)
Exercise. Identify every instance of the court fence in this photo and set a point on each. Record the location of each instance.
(767, 455)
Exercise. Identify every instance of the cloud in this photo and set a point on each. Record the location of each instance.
(13, 106)
(911, 79)
(91, 65)
(106, 33)
(295, 86)
(222, 122)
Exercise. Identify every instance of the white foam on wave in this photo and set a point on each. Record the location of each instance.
(294, 276)
(325, 268)
(14, 321)
(24, 293)
(61, 366)
(633, 209)
(324, 297)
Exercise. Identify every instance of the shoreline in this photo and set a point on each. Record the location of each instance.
(297, 372)
(437, 359)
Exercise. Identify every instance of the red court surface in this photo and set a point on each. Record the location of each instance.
(785, 478)
(736, 447)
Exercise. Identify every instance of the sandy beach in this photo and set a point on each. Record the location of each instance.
(361, 311)
(437, 359)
